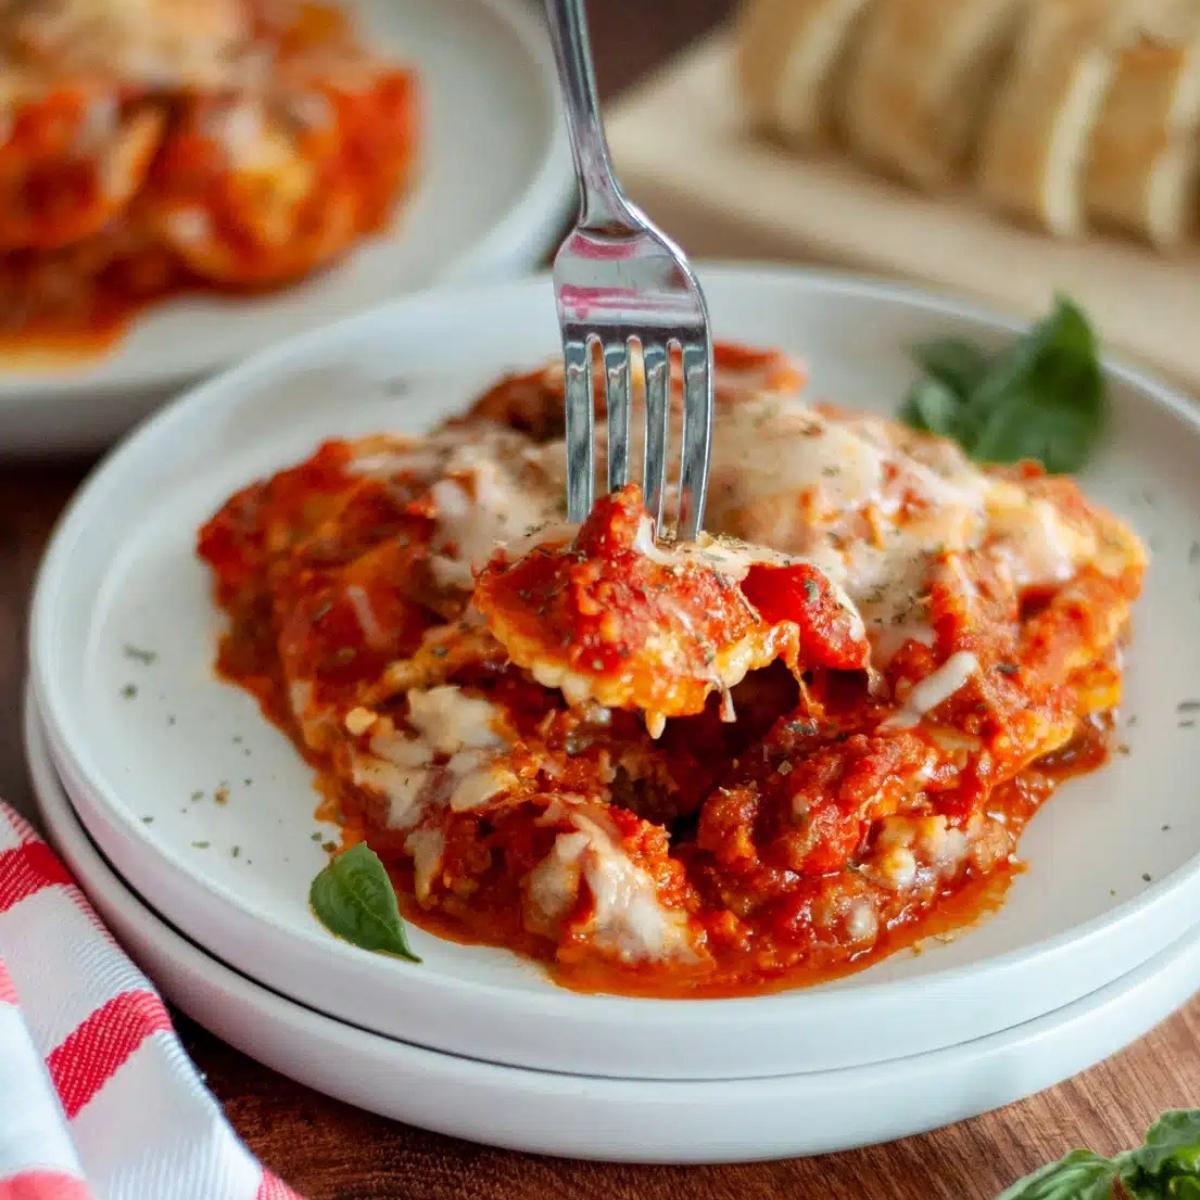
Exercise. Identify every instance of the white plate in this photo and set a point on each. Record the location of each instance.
(615, 1119)
(492, 190)
(121, 570)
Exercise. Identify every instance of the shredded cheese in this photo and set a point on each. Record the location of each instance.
(933, 690)
(468, 731)
(628, 920)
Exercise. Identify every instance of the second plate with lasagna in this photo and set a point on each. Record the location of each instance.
(187, 183)
(680, 781)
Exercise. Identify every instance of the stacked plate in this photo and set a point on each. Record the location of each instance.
(188, 818)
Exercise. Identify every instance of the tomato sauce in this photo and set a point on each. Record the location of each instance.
(115, 195)
(776, 828)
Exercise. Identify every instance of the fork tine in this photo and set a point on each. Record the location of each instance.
(656, 365)
(616, 371)
(697, 437)
(580, 415)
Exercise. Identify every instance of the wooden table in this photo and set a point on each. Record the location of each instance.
(330, 1151)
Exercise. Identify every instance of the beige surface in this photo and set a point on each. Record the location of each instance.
(684, 154)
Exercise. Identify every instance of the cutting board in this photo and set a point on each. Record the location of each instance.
(685, 154)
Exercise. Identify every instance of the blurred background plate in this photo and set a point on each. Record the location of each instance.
(493, 189)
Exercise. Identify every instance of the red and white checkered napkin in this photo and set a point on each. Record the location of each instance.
(98, 1100)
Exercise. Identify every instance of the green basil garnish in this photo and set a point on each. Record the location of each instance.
(1166, 1167)
(354, 899)
(1080, 1175)
(1042, 397)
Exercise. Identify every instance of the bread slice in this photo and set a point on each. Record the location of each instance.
(758, 53)
(788, 55)
(924, 71)
(1142, 165)
(1035, 144)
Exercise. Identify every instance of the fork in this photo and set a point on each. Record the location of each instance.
(620, 280)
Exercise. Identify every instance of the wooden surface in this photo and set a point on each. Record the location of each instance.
(330, 1151)
(727, 193)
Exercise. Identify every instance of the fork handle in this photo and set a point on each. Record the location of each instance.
(601, 202)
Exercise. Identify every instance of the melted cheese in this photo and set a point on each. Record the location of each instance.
(728, 556)
(489, 487)
(770, 445)
(873, 505)
(576, 688)
(467, 731)
(426, 846)
(156, 43)
(933, 690)
(1038, 545)
(485, 502)
(400, 785)
(449, 720)
(628, 920)
(732, 558)
(920, 851)
(777, 444)
(867, 503)
(854, 497)
(368, 622)
(553, 885)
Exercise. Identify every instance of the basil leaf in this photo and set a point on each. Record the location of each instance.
(1060, 437)
(1080, 1175)
(932, 406)
(354, 899)
(957, 364)
(1174, 1137)
(1168, 1165)
(1044, 397)
(1041, 398)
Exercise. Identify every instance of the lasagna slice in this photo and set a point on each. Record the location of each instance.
(611, 617)
(708, 768)
(149, 146)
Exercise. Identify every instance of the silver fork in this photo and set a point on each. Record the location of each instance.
(619, 279)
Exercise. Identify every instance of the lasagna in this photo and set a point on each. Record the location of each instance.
(148, 146)
(754, 761)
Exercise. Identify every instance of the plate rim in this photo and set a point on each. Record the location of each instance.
(545, 197)
(657, 1012)
(204, 966)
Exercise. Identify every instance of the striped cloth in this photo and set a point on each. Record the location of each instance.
(98, 1100)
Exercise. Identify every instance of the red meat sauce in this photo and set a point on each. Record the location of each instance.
(83, 252)
(711, 808)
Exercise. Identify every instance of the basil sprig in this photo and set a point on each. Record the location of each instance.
(1166, 1167)
(1042, 397)
(354, 899)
